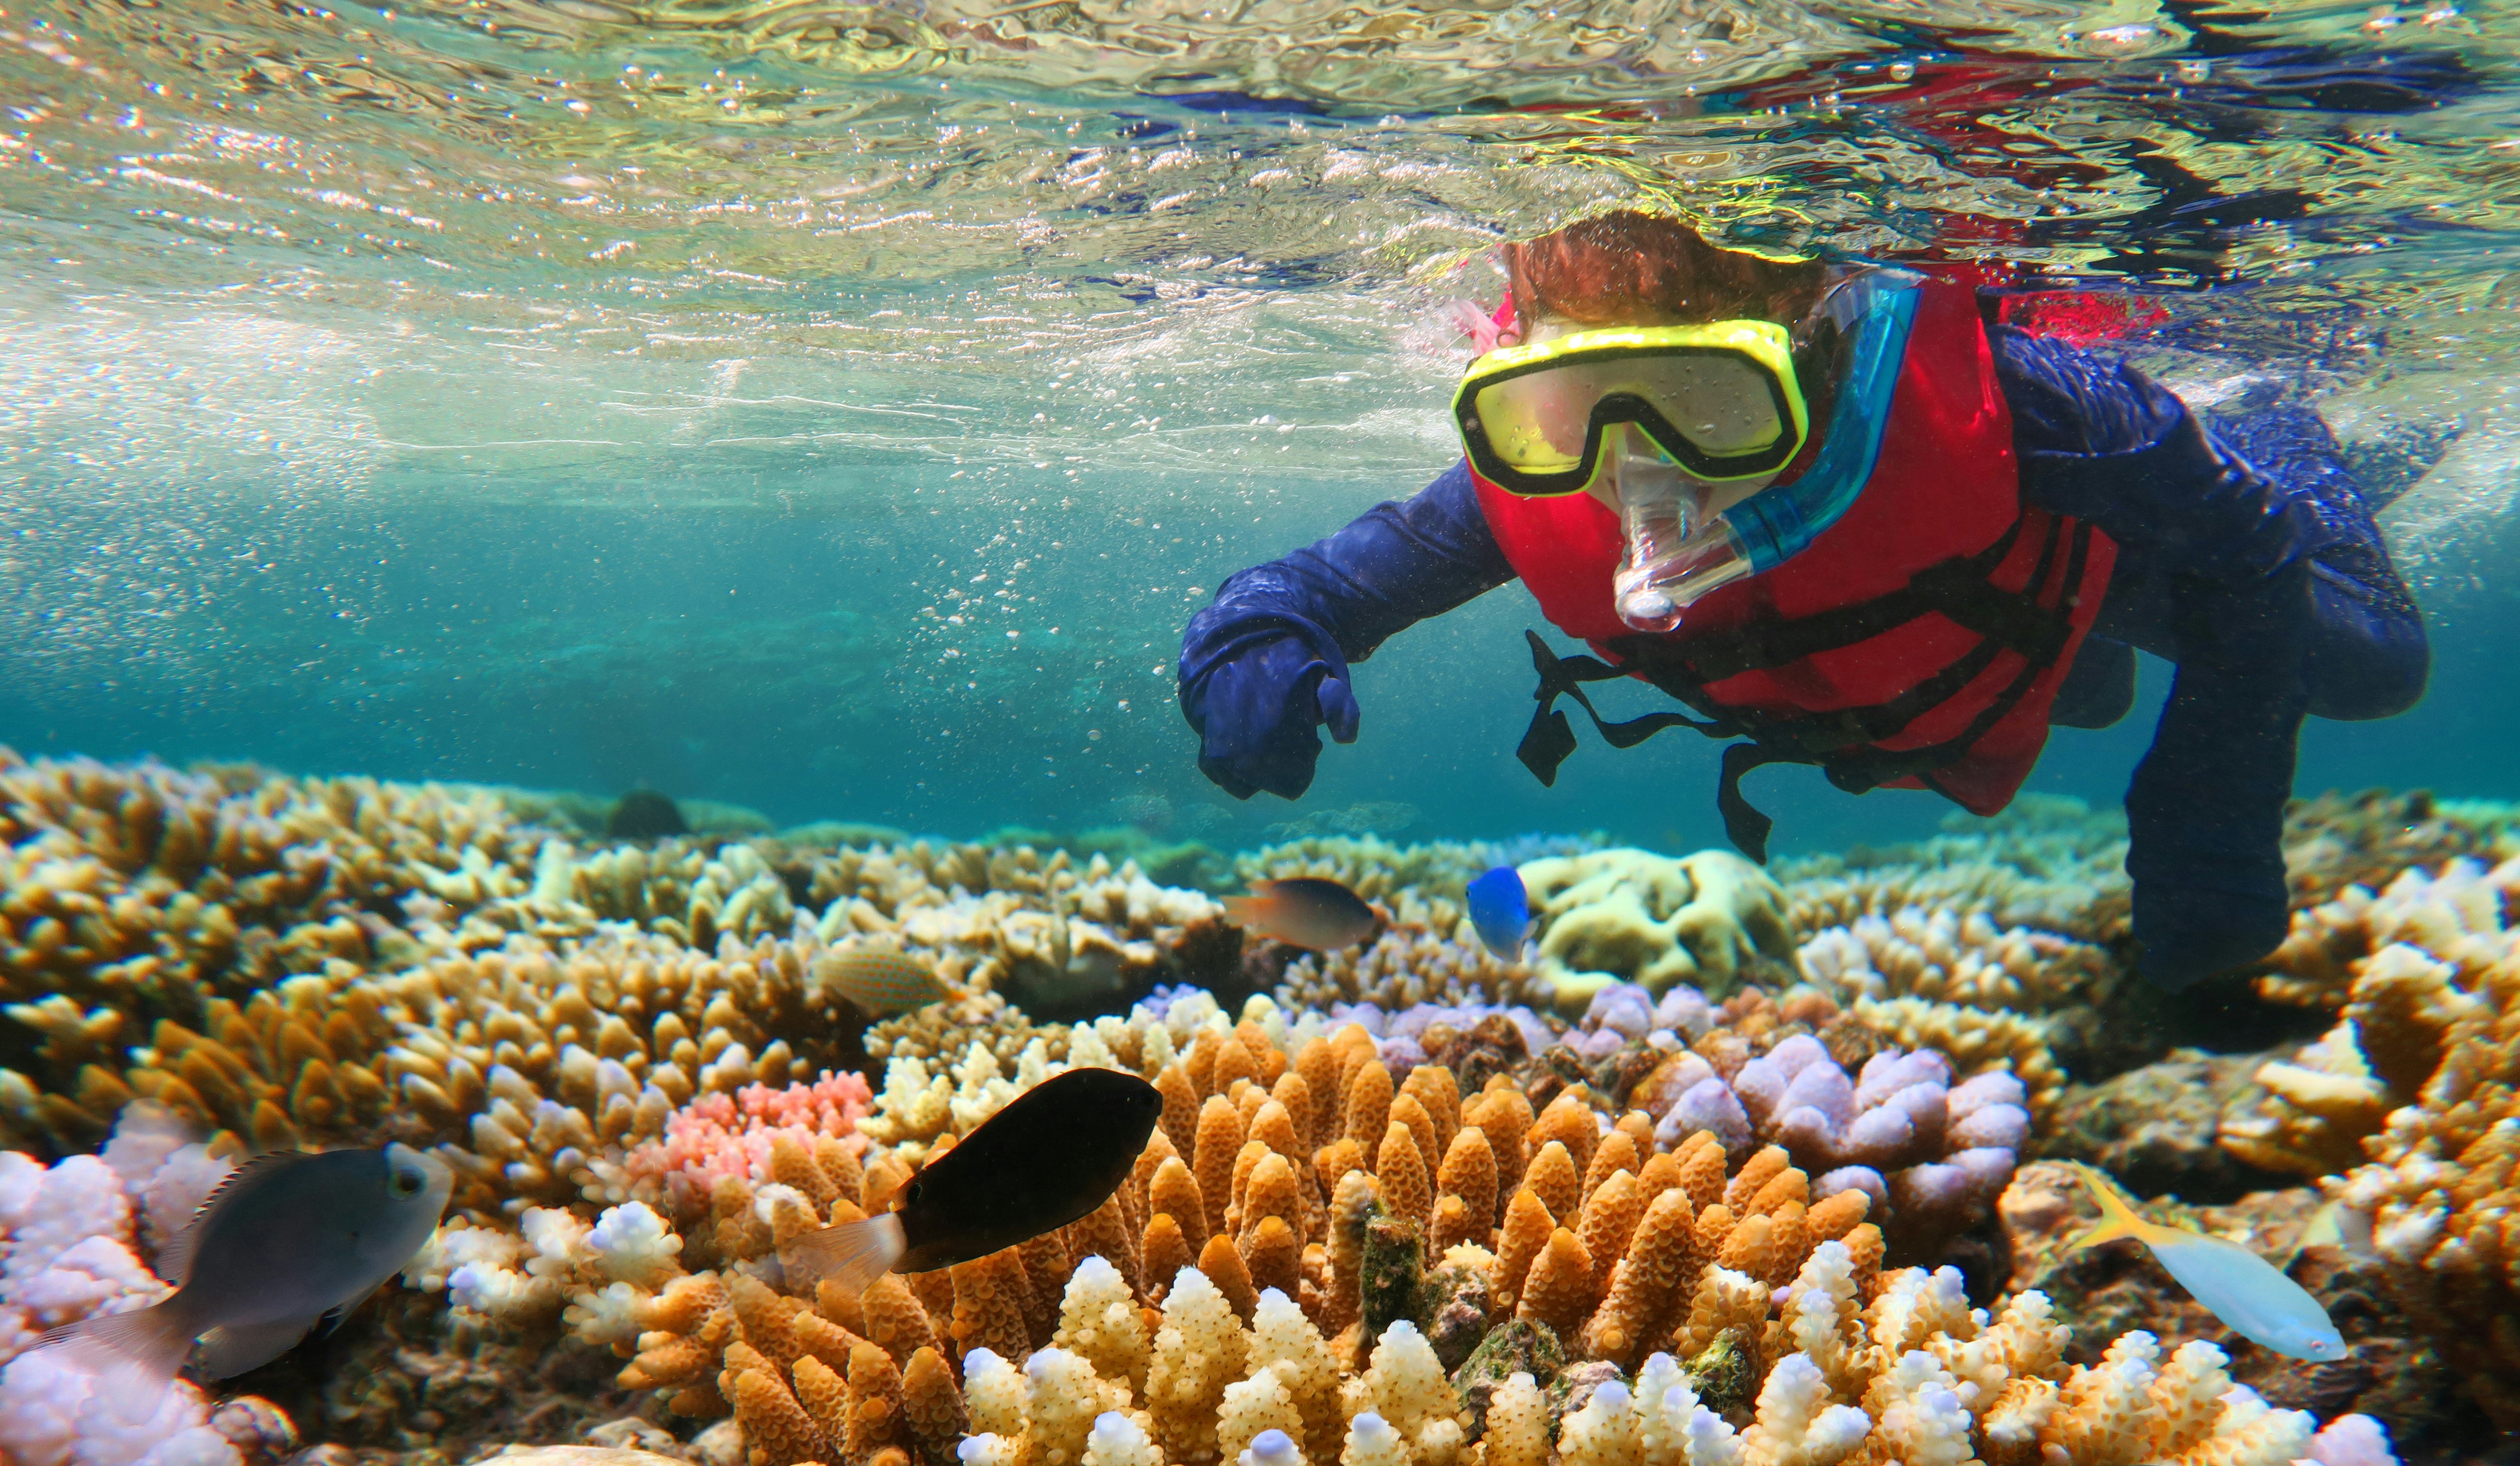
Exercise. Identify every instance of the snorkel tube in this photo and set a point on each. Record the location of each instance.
(1676, 553)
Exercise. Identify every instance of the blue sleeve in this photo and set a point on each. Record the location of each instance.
(2213, 575)
(2101, 441)
(1394, 565)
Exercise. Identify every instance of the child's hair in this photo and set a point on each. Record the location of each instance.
(1632, 268)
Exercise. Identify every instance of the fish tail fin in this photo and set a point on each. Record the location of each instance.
(2117, 1219)
(154, 1337)
(854, 1253)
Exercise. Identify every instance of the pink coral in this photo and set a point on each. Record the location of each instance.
(720, 1135)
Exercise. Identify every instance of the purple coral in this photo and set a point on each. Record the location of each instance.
(1397, 1036)
(1626, 1012)
(1900, 1131)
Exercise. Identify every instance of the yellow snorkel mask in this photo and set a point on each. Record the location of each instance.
(1719, 400)
(1672, 423)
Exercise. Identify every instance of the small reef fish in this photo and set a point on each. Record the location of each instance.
(1501, 909)
(287, 1241)
(2343, 1227)
(1306, 911)
(2242, 1289)
(885, 981)
(1056, 1153)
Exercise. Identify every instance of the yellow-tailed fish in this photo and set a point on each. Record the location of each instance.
(2344, 1228)
(1306, 911)
(2242, 1289)
(287, 1241)
(884, 981)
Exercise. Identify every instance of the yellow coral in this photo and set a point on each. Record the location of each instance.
(1633, 916)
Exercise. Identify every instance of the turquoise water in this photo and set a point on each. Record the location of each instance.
(583, 395)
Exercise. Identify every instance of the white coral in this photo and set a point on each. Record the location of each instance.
(1797, 1424)
(1118, 1440)
(993, 1395)
(634, 1244)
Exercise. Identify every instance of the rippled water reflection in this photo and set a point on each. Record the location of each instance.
(269, 268)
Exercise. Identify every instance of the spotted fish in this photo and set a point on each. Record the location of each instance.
(884, 981)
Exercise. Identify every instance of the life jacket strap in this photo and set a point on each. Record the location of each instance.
(1551, 738)
(1843, 743)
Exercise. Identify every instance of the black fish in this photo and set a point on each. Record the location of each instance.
(1056, 1153)
(644, 814)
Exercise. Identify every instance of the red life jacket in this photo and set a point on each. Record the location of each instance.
(1916, 643)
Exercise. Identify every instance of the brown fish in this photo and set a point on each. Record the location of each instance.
(1054, 1154)
(1306, 911)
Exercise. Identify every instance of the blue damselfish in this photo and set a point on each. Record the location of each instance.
(1501, 909)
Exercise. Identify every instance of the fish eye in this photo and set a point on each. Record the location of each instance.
(401, 1181)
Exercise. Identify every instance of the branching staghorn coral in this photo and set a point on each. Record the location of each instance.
(134, 893)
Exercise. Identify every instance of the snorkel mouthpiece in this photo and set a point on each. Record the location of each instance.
(1676, 550)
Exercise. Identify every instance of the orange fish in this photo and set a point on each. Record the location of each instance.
(1306, 911)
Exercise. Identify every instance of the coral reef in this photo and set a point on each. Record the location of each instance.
(1265, 1269)
(2046, 863)
(1371, 866)
(1422, 1206)
(2157, 1129)
(1415, 1034)
(1409, 964)
(2442, 1193)
(2446, 912)
(314, 961)
(2419, 1081)
(593, 815)
(1914, 1374)
(1627, 915)
(2398, 967)
(137, 895)
(1942, 957)
(2336, 839)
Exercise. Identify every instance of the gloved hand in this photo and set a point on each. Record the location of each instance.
(1256, 708)
(2189, 933)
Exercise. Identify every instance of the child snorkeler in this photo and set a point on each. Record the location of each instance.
(1843, 517)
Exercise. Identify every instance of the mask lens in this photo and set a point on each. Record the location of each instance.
(1718, 404)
